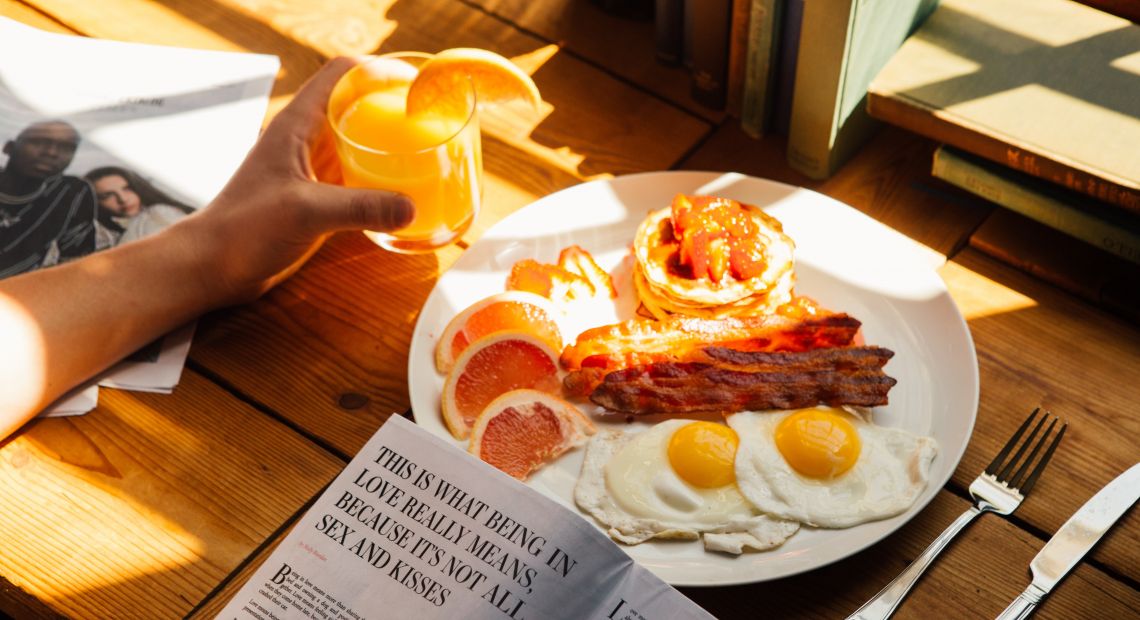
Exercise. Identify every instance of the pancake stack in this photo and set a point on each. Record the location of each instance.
(666, 288)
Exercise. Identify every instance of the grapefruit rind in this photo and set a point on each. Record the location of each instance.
(444, 359)
(452, 415)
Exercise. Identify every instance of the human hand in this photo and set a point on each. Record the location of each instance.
(274, 213)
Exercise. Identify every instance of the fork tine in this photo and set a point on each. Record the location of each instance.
(1017, 478)
(992, 468)
(1044, 460)
(1004, 475)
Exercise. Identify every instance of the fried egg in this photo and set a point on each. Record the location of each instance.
(674, 480)
(828, 468)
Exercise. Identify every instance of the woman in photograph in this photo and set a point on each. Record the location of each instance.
(130, 207)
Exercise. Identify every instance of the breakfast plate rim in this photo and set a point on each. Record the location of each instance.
(956, 332)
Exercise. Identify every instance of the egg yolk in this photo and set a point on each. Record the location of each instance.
(704, 453)
(817, 443)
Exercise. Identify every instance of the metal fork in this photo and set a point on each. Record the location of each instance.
(995, 490)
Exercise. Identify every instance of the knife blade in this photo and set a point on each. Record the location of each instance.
(1075, 538)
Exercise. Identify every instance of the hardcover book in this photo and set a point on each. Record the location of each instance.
(1048, 87)
(843, 45)
(1074, 214)
(1088, 272)
(760, 67)
(711, 23)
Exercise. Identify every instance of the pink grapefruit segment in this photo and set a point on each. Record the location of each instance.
(492, 366)
(512, 310)
(522, 430)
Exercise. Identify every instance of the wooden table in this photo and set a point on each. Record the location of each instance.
(138, 510)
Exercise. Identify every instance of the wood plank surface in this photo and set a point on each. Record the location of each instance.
(162, 506)
(147, 502)
(324, 334)
(983, 570)
(621, 45)
(975, 577)
(29, 15)
(1038, 346)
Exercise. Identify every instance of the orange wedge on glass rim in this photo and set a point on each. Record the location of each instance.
(512, 310)
(522, 430)
(492, 366)
(441, 82)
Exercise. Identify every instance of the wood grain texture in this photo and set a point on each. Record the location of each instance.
(1038, 346)
(142, 508)
(149, 501)
(343, 324)
(1105, 280)
(621, 46)
(212, 606)
(959, 585)
(29, 15)
(975, 577)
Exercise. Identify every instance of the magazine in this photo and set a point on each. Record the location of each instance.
(414, 527)
(106, 142)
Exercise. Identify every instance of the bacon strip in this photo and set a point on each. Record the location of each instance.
(642, 341)
(731, 381)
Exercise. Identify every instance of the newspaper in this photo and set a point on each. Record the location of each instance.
(416, 528)
(159, 131)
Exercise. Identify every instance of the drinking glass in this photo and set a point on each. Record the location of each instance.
(434, 156)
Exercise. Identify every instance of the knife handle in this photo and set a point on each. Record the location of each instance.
(1023, 605)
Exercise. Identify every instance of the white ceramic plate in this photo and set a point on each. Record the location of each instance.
(844, 260)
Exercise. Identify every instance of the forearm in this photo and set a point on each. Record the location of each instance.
(60, 326)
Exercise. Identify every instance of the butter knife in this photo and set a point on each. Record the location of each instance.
(1079, 534)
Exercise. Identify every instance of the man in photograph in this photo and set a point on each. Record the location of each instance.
(46, 217)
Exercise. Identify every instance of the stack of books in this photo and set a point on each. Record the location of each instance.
(748, 57)
(1037, 103)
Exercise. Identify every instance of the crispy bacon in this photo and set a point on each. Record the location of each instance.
(643, 341)
(729, 380)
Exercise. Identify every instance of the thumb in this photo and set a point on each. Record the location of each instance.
(346, 208)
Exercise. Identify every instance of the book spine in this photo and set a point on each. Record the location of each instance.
(790, 22)
(1073, 265)
(1114, 237)
(819, 72)
(924, 121)
(737, 51)
(759, 70)
(668, 35)
(710, 20)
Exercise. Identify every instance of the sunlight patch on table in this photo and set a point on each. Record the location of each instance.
(978, 296)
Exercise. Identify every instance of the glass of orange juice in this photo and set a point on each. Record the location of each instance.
(433, 156)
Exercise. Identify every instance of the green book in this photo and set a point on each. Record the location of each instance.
(844, 44)
(1074, 214)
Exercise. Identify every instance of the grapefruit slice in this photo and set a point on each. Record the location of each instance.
(513, 310)
(491, 366)
(522, 430)
(496, 80)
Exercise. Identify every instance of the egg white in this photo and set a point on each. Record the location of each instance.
(891, 472)
(628, 484)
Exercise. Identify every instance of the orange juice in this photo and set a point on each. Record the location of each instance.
(434, 156)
